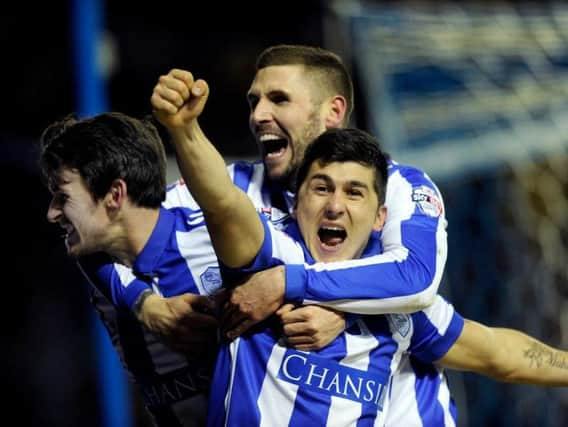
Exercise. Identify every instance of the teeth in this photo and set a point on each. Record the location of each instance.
(67, 230)
(268, 137)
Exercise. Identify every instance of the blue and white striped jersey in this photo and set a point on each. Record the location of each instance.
(177, 258)
(260, 382)
(421, 395)
(403, 278)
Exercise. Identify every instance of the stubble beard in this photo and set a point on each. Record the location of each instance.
(312, 130)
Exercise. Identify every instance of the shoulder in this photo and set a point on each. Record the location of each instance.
(411, 185)
(412, 175)
(178, 195)
(248, 176)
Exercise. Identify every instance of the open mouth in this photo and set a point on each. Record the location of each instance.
(332, 236)
(274, 145)
(69, 235)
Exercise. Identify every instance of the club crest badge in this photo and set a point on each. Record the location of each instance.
(400, 323)
(211, 280)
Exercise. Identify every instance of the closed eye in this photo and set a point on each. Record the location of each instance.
(60, 198)
(252, 101)
(354, 193)
(279, 98)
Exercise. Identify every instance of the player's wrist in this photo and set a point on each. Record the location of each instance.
(140, 307)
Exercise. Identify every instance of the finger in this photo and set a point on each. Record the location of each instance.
(221, 296)
(231, 320)
(306, 347)
(200, 93)
(300, 340)
(200, 88)
(200, 303)
(286, 308)
(294, 316)
(182, 75)
(239, 329)
(297, 328)
(228, 311)
(161, 105)
(175, 94)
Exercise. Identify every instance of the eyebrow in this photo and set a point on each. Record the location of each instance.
(270, 93)
(327, 179)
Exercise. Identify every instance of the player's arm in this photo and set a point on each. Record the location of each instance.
(235, 229)
(405, 277)
(183, 320)
(116, 282)
(507, 355)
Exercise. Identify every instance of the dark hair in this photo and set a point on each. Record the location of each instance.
(347, 145)
(106, 147)
(328, 70)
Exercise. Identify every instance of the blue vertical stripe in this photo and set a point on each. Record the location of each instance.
(242, 175)
(91, 99)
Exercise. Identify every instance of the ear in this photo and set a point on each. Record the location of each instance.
(336, 112)
(116, 195)
(381, 218)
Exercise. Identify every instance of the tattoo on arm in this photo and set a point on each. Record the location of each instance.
(540, 356)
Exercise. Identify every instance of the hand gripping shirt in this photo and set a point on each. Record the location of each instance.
(260, 382)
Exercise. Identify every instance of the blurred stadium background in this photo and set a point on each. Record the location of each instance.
(475, 93)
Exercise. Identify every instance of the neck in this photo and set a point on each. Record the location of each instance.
(137, 226)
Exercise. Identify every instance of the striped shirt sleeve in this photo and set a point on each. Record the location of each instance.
(406, 276)
(116, 282)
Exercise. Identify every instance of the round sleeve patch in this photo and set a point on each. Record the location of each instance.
(428, 201)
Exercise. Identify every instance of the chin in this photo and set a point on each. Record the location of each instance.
(73, 254)
(75, 251)
(330, 257)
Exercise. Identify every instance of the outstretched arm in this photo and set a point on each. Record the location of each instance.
(507, 355)
(235, 229)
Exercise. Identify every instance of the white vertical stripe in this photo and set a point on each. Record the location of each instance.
(198, 253)
(440, 314)
(254, 189)
(233, 350)
(404, 406)
(284, 247)
(277, 397)
(444, 399)
(398, 201)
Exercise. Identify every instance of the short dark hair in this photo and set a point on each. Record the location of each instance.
(328, 70)
(347, 145)
(106, 147)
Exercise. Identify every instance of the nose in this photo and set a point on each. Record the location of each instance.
(53, 211)
(261, 112)
(335, 205)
